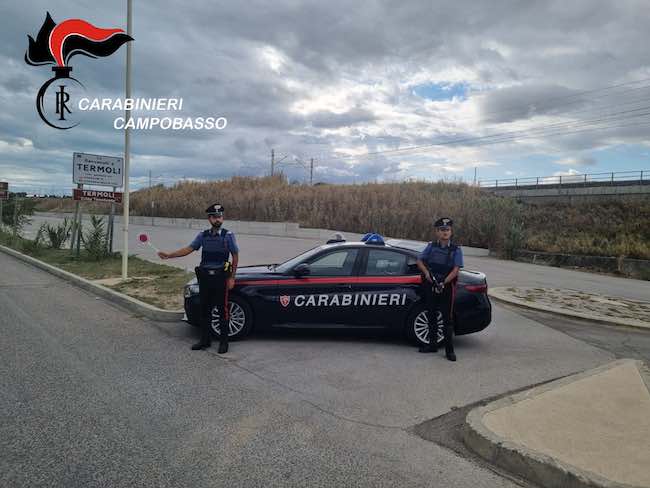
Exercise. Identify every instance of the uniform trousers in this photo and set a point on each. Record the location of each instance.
(443, 303)
(213, 292)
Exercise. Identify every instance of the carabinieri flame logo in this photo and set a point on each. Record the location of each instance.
(56, 44)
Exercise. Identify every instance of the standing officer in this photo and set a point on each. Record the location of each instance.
(440, 262)
(216, 275)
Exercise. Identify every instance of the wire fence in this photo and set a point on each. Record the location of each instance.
(588, 179)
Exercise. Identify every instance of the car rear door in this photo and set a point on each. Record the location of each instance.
(321, 296)
(386, 288)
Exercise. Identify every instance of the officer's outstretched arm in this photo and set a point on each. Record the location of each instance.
(183, 251)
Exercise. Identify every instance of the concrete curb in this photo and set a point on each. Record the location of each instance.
(531, 465)
(498, 295)
(124, 301)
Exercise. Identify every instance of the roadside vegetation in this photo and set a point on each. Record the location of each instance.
(152, 283)
(614, 228)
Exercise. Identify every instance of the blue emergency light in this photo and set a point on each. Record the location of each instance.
(373, 238)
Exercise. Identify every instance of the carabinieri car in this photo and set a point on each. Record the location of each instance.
(345, 284)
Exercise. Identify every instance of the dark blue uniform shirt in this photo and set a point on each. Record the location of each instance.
(441, 260)
(216, 247)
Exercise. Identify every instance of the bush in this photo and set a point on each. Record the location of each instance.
(94, 239)
(59, 234)
(30, 246)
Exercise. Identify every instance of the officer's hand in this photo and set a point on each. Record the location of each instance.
(231, 283)
(429, 278)
(163, 255)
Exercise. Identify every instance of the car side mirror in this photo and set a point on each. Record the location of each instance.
(302, 269)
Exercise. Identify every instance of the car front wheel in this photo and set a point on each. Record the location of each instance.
(417, 326)
(241, 318)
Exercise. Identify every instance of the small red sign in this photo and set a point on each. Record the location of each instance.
(285, 300)
(98, 195)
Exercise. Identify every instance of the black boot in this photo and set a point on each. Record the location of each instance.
(451, 355)
(202, 344)
(223, 347)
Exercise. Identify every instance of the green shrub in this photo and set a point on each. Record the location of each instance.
(59, 234)
(94, 239)
(30, 246)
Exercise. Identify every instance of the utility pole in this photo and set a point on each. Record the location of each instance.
(311, 172)
(475, 175)
(127, 143)
(272, 162)
(151, 197)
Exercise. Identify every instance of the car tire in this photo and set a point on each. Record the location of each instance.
(241, 318)
(417, 326)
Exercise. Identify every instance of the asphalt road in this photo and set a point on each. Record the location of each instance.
(93, 396)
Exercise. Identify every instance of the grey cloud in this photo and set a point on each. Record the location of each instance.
(326, 119)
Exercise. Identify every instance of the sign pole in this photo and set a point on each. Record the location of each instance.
(73, 237)
(80, 229)
(16, 201)
(111, 222)
(127, 143)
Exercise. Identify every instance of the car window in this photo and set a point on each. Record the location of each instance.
(336, 263)
(385, 263)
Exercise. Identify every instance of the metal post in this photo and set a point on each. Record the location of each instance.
(560, 180)
(16, 201)
(127, 144)
(79, 232)
(272, 162)
(496, 183)
(75, 228)
(516, 184)
(311, 172)
(612, 177)
(111, 224)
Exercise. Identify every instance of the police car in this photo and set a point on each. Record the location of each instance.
(345, 284)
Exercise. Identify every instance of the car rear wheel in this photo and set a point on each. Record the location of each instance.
(417, 326)
(241, 318)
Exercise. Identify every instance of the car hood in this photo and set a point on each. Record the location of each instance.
(261, 271)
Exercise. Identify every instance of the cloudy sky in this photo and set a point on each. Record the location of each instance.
(512, 88)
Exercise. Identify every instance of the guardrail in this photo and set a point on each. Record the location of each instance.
(588, 179)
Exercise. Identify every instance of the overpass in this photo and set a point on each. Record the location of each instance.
(570, 188)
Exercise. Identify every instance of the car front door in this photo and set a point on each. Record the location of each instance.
(320, 296)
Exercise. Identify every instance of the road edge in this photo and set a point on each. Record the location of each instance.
(539, 468)
(120, 299)
(501, 297)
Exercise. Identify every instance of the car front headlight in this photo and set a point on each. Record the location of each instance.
(191, 290)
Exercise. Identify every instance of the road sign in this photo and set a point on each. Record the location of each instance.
(93, 169)
(97, 195)
(4, 190)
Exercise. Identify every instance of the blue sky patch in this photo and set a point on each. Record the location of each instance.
(441, 91)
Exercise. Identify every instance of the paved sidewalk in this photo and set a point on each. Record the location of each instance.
(589, 429)
(574, 303)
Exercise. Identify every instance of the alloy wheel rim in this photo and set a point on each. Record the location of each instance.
(421, 327)
(237, 319)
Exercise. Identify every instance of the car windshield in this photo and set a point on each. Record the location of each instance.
(288, 265)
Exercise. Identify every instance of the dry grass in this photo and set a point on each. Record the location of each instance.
(407, 210)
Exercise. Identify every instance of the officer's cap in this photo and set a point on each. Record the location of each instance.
(443, 222)
(214, 209)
